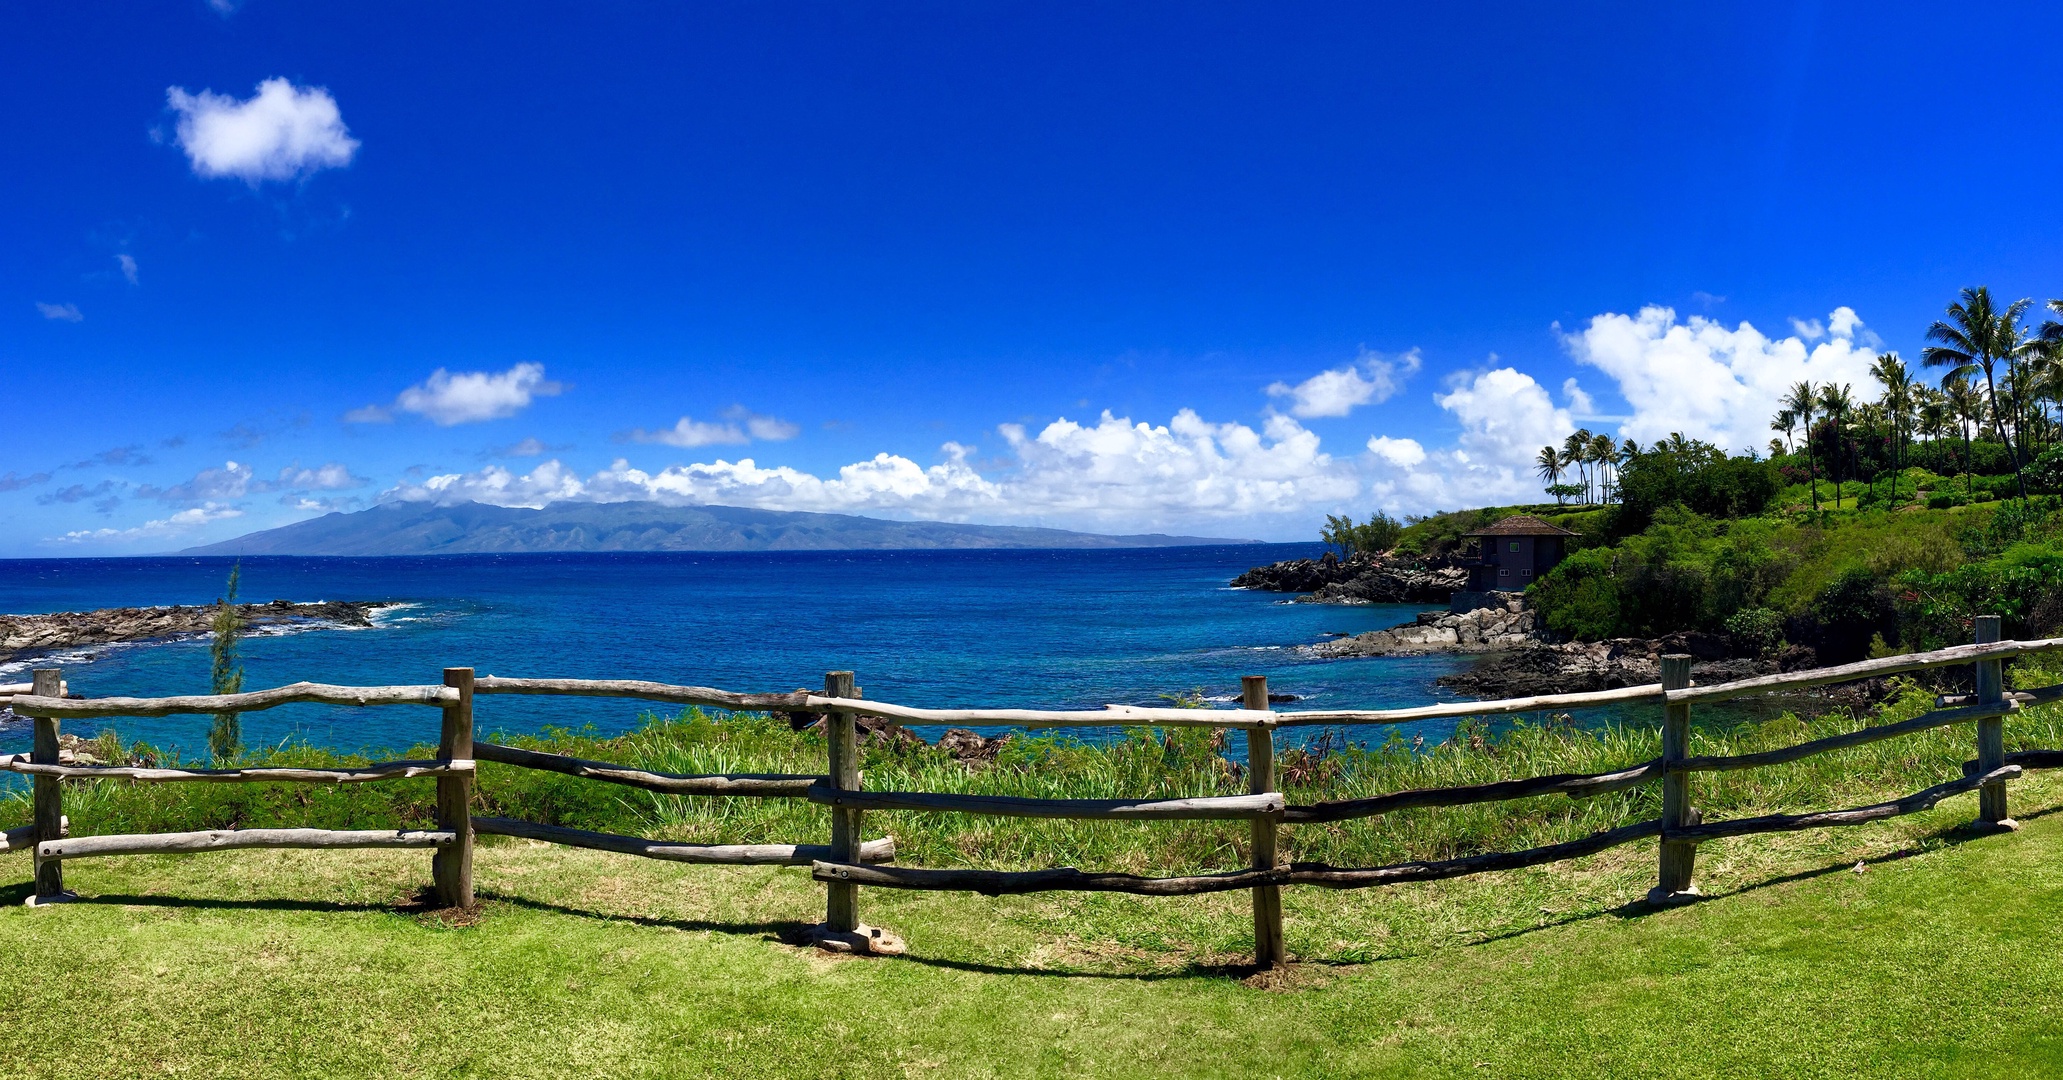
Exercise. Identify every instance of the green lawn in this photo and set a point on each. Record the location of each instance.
(1941, 959)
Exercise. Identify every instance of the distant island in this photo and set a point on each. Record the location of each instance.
(476, 528)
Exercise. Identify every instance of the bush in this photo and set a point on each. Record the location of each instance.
(1757, 629)
(1851, 610)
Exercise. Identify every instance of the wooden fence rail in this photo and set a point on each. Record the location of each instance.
(848, 862)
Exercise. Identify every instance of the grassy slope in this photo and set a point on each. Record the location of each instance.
(1939, 959)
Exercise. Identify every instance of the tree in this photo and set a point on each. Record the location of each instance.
(1801, 401)
(226, 673)
(1606, 456)
(1576, 451)
(1549, 465)
(1897, 404)
(1784, 423)
(1975, 337)
(1967, 406)
(1834, 402)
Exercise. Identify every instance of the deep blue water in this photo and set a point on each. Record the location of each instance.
(1061, 629)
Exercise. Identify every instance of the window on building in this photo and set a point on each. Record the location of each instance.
(1527, 572)
(1504, 572)
(1515, 545)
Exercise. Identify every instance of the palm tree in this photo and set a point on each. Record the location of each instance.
(1801, 401)
(1785, 422)
(1606, 455)
(1975, 337)
(1549, 465)
(1897, 404)
(1576, 451)
(1967, 406)
(1835, 402)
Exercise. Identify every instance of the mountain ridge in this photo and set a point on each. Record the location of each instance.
(476, 528)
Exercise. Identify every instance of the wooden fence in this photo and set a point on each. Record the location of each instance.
(847, 862)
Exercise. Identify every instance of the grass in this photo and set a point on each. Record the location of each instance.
(1935, 959)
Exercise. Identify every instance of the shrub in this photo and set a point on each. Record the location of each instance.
(1757, 629)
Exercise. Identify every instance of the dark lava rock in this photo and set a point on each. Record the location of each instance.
(1363, 579)
(37, 633)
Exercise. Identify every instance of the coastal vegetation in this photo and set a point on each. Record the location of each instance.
(1880, 520)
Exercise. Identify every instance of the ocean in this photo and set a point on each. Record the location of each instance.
(1056, 629)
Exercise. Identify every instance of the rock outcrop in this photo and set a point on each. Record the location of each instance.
(26, 634)
(1502, 623)
(1362, 579)
(1579, 667)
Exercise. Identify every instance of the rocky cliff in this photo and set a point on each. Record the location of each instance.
(1362, 579)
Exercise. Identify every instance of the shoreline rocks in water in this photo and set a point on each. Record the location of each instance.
(1581, 667)
(23, 634)
(1363, 579)
(1496, 622)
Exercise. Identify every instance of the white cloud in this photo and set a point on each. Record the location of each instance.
(1714, 383)
(281, 132)
(128, 264)
(1371, 379)
(184, 520)
(1402, 453)
(739, 426)
(1112, 474)
(1579, 402)
(467, 397)
(333, 476)
(689, 433)
(60, 312)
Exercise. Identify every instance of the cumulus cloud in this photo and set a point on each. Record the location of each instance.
(281, 132)
(738, 427)
(183, 521)
(1402, 453)
(332, 476)
(466, 397)
(1712, 382)
(1114, 472)
(1370, 379)
(128, 264)
(60, 312)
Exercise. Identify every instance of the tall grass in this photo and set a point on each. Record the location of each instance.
(1172, 763)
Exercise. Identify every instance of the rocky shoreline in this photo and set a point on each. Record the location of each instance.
(1362, 579)
(22, 635)
(1513, 656)
(1498, 622)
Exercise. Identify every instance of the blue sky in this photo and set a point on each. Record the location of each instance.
(1015, 263)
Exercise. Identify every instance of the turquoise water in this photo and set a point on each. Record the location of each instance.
(1058, 629)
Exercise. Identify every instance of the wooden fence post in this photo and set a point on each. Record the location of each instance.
(1260, 779)
(842, 901)
(451, 868)
(1991, 731)
(49, 794)
(1678, 856)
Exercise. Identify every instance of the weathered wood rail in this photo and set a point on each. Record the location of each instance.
(848, 862)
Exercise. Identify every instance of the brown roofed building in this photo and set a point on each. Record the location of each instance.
(1515, 552)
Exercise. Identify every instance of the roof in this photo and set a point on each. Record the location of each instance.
(1521, 525)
